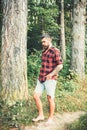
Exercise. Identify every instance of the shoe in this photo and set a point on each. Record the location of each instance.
(39, 118)
(49, 122)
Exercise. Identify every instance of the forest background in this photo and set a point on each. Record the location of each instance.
(71, 93)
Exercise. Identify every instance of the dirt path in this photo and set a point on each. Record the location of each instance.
(60, 122)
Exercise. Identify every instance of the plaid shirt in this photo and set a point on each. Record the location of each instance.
(50, 59)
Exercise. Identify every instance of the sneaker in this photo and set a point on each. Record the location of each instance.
(39, 118)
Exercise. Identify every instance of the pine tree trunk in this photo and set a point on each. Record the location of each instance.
(62, 42)
(13, 51)
(78, 45)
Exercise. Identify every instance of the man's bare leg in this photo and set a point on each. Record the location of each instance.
(39, 107)
(52, 108)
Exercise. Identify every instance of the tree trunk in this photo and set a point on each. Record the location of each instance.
(78, 45)
(0, 37)
(13, 51)
(62, 42)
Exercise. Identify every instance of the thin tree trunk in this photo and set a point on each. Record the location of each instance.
(62, 42)
(0, 36)
(78, 45)
(14, 60)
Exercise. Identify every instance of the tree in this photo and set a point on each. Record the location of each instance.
(13, 51)
(44, 19)
(62, 42)
(78, 45)
(0, 37)
(0, 21)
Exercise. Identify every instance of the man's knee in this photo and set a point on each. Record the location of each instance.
(36, 96)
(50, 99)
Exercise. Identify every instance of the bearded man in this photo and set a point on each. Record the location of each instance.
(51, 65)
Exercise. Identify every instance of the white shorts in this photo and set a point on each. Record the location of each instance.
(48, 85)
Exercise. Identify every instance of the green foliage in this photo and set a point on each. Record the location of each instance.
(79, 125)
(68, 85)
(44, 16)
(65, 71)
(34, 62)
(16, 115)
(65, 88)
(44, 19)
(0, 68)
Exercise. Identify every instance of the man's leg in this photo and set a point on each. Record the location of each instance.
(50, 88)
(52, 107)
(38, 104)
(39, 107)
(37, 93)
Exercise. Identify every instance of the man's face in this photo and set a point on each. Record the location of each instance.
(46, 43)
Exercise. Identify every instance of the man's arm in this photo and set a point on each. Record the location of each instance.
(55, 71)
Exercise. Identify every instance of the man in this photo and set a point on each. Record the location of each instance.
(51, 65)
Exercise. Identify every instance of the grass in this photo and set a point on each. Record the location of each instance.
(68, 98)
(81, 124)
(72, 99)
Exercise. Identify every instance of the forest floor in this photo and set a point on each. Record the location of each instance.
(60, 122)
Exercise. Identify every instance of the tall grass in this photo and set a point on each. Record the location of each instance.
(81, 124)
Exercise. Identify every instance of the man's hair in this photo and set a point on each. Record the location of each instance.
(46, 35)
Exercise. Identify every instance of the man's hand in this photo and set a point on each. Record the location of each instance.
(49, 76)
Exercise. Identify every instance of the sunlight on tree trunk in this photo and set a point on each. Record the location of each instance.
(62, 42)
(13, 51)
(78, 45)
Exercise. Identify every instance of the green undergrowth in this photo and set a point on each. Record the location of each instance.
(70, 96)
(80, 124)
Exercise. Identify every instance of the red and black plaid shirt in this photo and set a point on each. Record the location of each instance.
(50, 59)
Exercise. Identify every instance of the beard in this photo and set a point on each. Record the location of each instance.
(45, 48)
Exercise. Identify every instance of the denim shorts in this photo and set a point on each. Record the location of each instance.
(48, 85)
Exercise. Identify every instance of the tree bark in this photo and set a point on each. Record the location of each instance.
(62, 41)
(13, 51)
(78, 45)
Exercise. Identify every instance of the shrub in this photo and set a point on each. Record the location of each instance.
(81, 124)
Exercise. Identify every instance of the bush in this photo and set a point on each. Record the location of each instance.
(79, 125)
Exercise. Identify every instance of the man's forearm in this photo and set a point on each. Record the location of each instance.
(56, 70)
